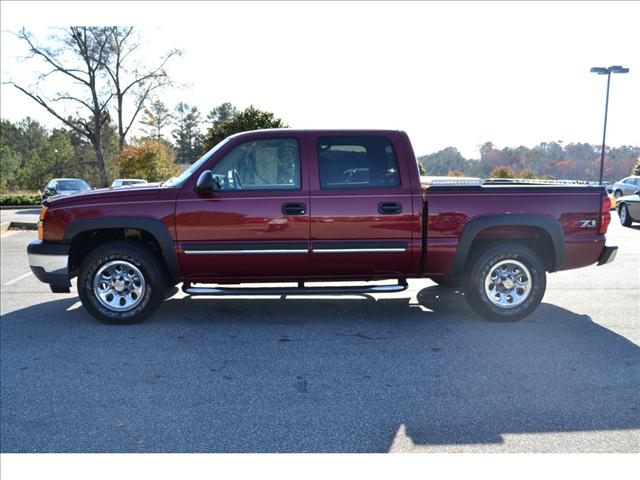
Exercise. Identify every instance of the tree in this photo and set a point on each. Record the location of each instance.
(156, 117)
(455, 173)
(223, 112)
(187, 134)
(77, 56)
(249, 119)
(9, 168)
(526, 173)
(442, 162)
(636, 167)
(150, 161)
(26, 139)
(501, 172)
(136, 80)
(59, 154)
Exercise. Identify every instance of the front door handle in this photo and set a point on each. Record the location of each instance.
(294, 209)
(389, 208)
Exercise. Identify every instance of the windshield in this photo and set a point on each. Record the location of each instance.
(72, 185)
(184, 176)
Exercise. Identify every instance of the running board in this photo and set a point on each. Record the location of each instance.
(301, 290)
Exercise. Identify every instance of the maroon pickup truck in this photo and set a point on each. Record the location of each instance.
(305, 206)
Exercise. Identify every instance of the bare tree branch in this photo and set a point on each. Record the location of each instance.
(90, 50)
(122, 45)
(48, 57)
(42, 102)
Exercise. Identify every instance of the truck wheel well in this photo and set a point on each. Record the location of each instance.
(85, 242)
(537, 239)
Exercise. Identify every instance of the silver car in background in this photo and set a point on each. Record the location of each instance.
(626, 186)
(65, 186)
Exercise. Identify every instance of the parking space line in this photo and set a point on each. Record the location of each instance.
(8, 233)
(16, 280)
(74, 306)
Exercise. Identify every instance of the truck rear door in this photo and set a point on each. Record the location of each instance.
(361, 206)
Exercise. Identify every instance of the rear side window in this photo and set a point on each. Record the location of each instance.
(357, 162)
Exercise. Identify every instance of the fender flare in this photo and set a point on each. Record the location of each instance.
(153, 226)
(549, 224)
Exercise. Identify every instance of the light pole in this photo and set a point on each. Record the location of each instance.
(606, 71)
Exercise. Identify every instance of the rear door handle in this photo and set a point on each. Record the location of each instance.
(294, 209)
(389, 208)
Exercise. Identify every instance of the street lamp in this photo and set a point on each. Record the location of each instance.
(607, 72)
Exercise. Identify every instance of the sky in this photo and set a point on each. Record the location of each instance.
(449, 74)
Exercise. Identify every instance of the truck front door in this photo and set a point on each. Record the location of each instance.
(257, 224)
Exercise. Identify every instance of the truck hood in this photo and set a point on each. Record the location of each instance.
(137, 192)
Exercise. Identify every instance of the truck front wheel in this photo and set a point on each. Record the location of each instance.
(121, 283)
(505, 283)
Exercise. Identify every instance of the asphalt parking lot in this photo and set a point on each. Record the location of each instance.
(412, 371)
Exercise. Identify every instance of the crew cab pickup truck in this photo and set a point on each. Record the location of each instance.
(300, 206)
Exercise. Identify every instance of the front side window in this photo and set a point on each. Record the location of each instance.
(270, 164)
(357, 162)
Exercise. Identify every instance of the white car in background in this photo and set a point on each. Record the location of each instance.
(126, 182)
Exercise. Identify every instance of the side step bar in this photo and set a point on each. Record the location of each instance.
(300, 290)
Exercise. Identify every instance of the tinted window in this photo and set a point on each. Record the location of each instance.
(357, 162)
(272, 164)
(72, 185)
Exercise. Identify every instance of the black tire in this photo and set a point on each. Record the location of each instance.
(140, 257)
(625, 217)
(445, 282)
(480, 267)
(618, 194)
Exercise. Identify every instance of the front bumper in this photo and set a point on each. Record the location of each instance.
(607, 255)
(49, 263)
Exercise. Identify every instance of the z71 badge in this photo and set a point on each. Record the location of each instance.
(587, 223)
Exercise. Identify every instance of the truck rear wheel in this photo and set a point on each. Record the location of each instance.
(505, 283)
(121, 283)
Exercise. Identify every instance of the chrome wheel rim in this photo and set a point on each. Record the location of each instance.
(119, 286)
(508, 284)
(623, 214)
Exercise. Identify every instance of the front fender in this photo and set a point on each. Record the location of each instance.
(153, 226)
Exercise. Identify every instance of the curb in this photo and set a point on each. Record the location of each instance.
(21, 225)
(19, 207)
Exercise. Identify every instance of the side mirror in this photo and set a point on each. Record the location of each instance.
(207, 183)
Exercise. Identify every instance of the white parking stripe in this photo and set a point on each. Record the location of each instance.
(8, 233)
(73, 306)
(16, 280)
